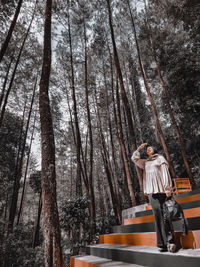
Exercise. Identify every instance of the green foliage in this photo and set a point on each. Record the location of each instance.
(104, 224)
(17, 249)
(9, 138)
(74, 219)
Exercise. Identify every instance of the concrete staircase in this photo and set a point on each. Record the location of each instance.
(134, 242)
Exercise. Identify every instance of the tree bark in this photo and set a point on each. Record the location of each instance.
(101, 197)
(37, 227)
(117, 131)
(5, 81)
(121, 143)
(123, 92)
(51, 226)
(78, 136)
(108, 167)
(112, 194)
(83, 171)
(90, 176)
(10, 31)
(115, 183)
(119, 73)
(153, 106)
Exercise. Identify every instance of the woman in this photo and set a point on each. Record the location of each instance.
(158, 186)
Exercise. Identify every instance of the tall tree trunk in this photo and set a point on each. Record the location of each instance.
(5, 81)
(101, 197)
(10, 31)
(123, 92)
(171, 113)
(5, 215)
(121, 142)
(119, 73)
(137, 113)
(90, 176)
(108, 167)
(15, 68)
(153, 106)
(25, 174)
(51, 226)
(133, 104)
(78, 136)
(117, 131)
(71, 119)
(83, 171)
(37, 226)
(111, 138)
(112, 194)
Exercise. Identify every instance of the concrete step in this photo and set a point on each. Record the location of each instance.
(192, 240)
(146, 256)
(193, 224)
(185, 206)
(93, 261)
(188, 213)
(185, 197)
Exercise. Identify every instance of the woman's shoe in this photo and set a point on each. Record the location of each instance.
(172, 247)
(163, 249)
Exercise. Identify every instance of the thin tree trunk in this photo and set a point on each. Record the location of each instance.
(5, 215)
(37, 227)
(117, 131)
(133, 109)
(51, 226)
(10, 31)
(123, 92)
(90, 176)
(119, 73)
(84, 157)
(101, 198)
(85, 179)
(25, 174)
(71, 120)
(108, 167)
(111, 139)
(5, 81)
(171, 113)
(153, 106)
(112, 194)
(15, 68)
(78, 136)
(137, 114)
(121, 142)
(71, 179)
(129, 98)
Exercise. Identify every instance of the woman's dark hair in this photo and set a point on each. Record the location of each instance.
(157, 148)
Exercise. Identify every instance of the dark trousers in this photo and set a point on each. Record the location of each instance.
(164, 230)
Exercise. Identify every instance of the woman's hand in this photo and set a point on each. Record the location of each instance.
(141, 146)
(168, 193)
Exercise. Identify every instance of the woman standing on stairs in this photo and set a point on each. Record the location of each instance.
(157, 184)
